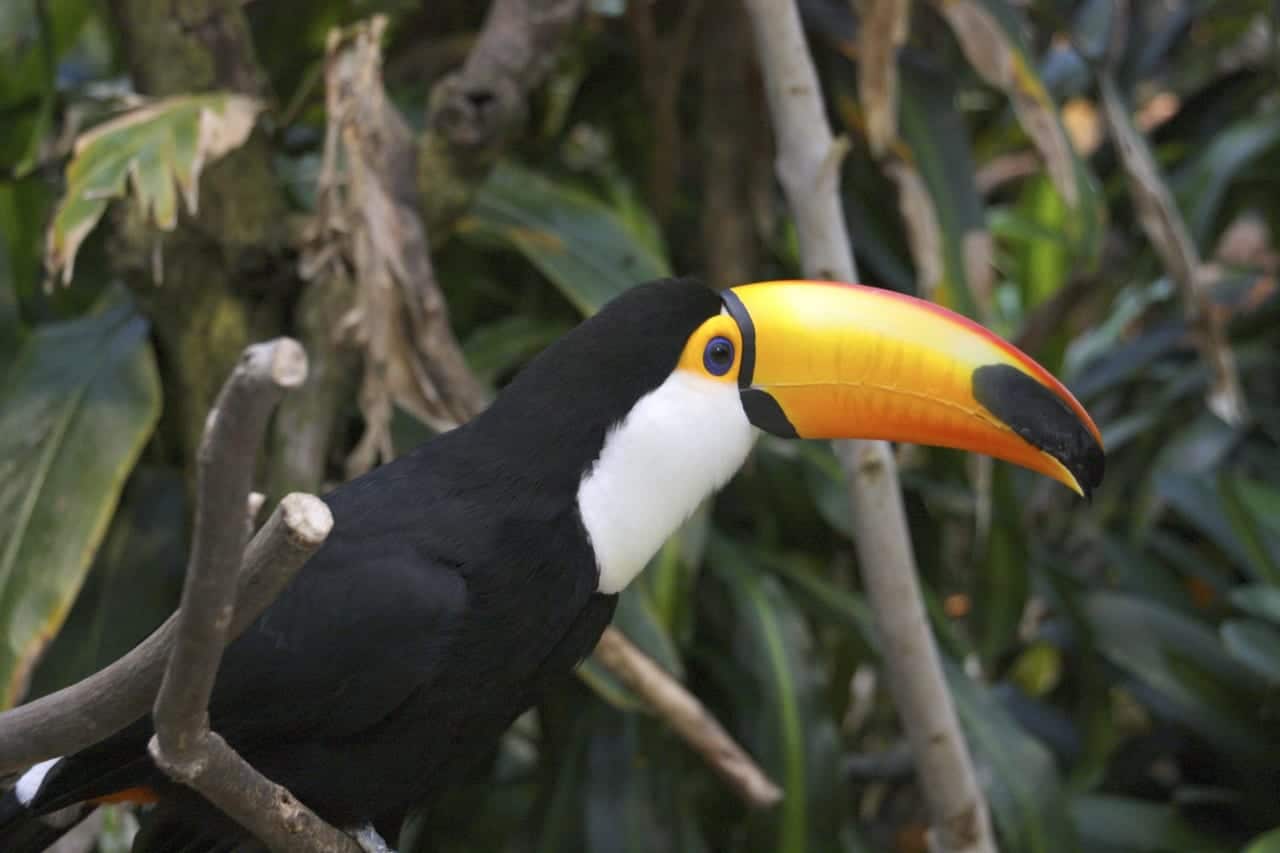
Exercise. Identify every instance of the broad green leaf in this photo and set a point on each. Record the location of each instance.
(990, 33)
(782, 716)
(160, 149)
(133, 585)
(1205, 687)
(1023, 787)
(1262, 546)
(1259, 498)
(1109, 824)
(1201, 505)
(1255, 644)
(1201, 185)
(79, 403)
(591, 251)
(629, 801)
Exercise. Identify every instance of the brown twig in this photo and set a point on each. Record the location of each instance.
(808, 169)
(682, 711)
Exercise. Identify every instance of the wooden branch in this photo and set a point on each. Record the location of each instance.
(226, 459)
(682, 711)
(808, 168)
(103, 703)
(183, 746)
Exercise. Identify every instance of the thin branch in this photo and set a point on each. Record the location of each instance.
(1162, 221)
(805, 146)
(682, 711)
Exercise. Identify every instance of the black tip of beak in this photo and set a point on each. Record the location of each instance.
(1043, 419)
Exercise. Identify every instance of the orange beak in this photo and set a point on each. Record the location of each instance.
(830, 360)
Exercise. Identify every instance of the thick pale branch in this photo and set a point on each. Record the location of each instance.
(183, 746)
(808, 161)
(682, 711)
(233, 434)
(269, 811)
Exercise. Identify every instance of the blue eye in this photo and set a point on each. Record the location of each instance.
(717, 358)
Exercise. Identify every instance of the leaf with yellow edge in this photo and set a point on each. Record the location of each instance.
(150, 149)
(78, 404)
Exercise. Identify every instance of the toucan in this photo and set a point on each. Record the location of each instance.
(464, 578)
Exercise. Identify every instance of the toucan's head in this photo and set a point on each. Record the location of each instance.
(673, 377)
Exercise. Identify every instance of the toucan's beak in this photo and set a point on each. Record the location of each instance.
(829, 360)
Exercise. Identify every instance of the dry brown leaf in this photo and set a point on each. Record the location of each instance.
(367, 228)
(883, 30)
(924, 234)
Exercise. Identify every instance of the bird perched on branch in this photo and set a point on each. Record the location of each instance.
(464, 578)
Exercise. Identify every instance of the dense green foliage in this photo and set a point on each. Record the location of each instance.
(1116, 664)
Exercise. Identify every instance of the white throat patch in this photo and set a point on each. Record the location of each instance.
(680, 443)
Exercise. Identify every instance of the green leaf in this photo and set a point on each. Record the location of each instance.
(588, 249)
(1203, 507)
(1108, 824)
(502, 345)
(782, 714)
(1267, 843)
(1262, 547)
(1259, 600)
(1201, 185)
(629, 801)
(1254, 644)
(1024, 789)
(160, 149)
(946, 223)
(133, 585)
(80, 401)
(991, 34)
(1204, 686)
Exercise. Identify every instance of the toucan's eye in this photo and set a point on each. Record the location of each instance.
(718, 356)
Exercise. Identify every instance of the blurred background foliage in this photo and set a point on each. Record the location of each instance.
(1094, 180)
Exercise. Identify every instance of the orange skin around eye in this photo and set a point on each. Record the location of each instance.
(720, 326)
